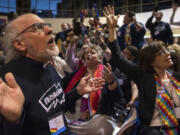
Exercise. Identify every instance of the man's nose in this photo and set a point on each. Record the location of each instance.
(48, 30)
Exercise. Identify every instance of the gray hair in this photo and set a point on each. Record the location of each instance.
(97, 48)
(9, 33)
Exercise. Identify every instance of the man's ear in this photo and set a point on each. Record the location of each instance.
(19, 45)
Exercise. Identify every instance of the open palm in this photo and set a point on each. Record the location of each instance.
(88, 84)
(110, 16)
(11, 98)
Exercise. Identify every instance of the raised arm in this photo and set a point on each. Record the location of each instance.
(170, 35)
(174, 7)
(137, 25)
(127, 67)
(70, 58)
(149, 23)
(112, 22)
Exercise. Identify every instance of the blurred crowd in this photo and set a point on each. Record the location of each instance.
(84, 51)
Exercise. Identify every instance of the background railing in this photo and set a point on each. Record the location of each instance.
(72, 8)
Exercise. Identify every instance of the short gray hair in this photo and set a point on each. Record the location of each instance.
(97, 48)
(9, 33)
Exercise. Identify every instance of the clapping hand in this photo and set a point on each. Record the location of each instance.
(107, 73)
(89, 84)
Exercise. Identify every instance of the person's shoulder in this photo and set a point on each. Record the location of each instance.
(141, 24)
(58, 59)
(59, 34)
(167, 24)
(9, 67)
(123, 27)
(50, 67)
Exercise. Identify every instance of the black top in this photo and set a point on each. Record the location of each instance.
(137, 37)
(110, 99)
(160, 31)
(44, 96)
(144, 80)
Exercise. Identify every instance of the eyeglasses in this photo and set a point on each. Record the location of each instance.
(35, 27)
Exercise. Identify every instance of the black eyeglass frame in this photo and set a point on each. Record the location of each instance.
(35, 24)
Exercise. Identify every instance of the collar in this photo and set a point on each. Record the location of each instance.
(30, 62)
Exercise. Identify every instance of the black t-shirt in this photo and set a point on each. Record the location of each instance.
(44, 97)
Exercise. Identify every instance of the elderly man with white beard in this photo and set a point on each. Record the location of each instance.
(29, 44)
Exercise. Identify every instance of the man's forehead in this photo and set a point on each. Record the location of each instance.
(26, 20)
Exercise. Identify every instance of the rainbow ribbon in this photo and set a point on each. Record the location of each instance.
(165, 105)
(94, 97)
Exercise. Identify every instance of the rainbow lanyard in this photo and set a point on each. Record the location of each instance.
(127, 35)
(175, 83)
(94, 97)
(165, 105)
